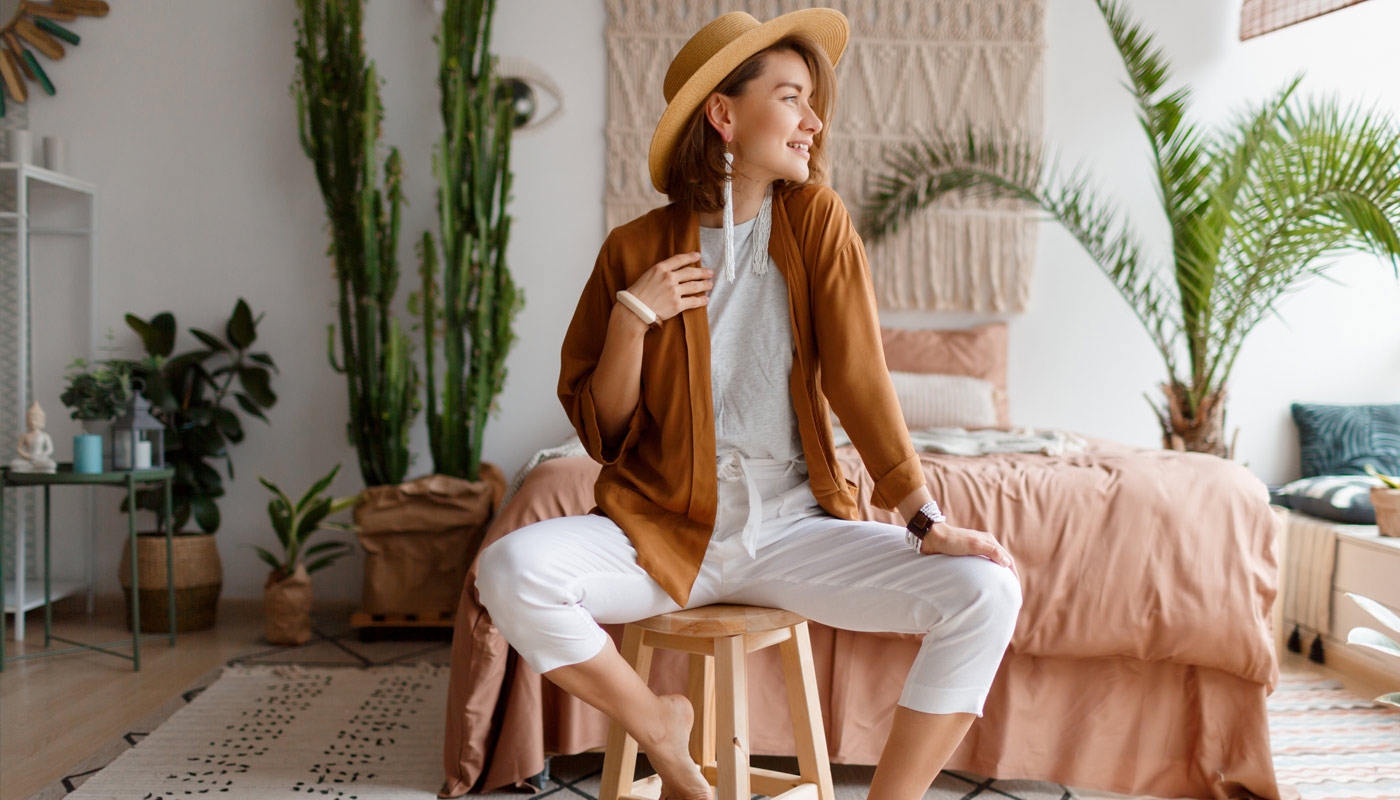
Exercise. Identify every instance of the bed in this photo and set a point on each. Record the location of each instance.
(1141, 662)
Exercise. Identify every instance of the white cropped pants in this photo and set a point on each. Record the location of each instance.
(549, 585)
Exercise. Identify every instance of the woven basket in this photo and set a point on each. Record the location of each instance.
(198, 579)
(1387, 503)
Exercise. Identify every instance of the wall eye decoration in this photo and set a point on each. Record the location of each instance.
(538, 100)
(28, 26)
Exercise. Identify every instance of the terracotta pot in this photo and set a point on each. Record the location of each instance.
(287, 607)
(1387, 503)
(199, 578)
(419, 538)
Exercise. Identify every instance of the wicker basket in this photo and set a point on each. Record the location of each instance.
(1387, 503)
(198, 580)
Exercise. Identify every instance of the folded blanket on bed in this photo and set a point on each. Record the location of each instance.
(950, 441)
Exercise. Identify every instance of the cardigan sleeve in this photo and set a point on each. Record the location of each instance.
(854, 377)
(583, 345)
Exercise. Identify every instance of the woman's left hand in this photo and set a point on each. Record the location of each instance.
(954, 541)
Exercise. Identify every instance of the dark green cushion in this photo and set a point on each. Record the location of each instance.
(1342, 440)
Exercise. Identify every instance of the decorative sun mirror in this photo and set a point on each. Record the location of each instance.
(28, 26)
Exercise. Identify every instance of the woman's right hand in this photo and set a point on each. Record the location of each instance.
(673, 285)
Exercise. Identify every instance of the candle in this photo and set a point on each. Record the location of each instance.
(143, 455)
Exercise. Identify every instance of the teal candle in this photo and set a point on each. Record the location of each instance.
(87, 453)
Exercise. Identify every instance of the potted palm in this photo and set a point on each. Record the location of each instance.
(287, 593)
(199, 395)
(1251, 207)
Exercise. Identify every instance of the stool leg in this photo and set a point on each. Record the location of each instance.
(620, 758)
(803, 701)
(732, 718)
(701, 692)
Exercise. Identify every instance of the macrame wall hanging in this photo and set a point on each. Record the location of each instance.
(910, 66)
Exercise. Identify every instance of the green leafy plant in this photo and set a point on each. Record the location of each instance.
(338, 117)
(476, 300)
(1375, 640)
(195, 394)
(1388, 480)
(294, 523)
(99, 391)
(1252, 209)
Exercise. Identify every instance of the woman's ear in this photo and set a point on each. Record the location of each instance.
(719, 111)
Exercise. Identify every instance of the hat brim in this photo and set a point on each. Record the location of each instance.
(828, 26)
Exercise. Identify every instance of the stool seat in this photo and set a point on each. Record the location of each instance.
(719, 638)
(720, 620)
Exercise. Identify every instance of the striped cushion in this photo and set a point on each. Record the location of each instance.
(1341, 440)
(933, 400)
(1341, 498)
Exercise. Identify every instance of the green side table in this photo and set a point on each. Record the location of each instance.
(66, 476)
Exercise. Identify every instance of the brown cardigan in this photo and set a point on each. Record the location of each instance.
(660, 483)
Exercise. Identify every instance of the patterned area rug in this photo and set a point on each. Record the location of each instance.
(358, 720)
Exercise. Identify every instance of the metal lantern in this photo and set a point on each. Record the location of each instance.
(138, 438)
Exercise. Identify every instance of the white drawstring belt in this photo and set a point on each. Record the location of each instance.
(734, 466)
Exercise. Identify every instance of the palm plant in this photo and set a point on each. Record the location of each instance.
(295, 522)
(475, 300)
(338, 117)
(1252, 208)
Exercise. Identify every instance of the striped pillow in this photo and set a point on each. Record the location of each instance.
(934, 400)
(1340, 498)
(1341, 440)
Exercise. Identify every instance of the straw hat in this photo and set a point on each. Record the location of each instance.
(714, 52)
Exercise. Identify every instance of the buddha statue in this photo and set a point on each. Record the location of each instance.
(35, 446)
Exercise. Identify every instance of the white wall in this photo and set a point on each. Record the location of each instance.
(180, 112)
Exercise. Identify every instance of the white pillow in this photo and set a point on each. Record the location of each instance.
(936, 400)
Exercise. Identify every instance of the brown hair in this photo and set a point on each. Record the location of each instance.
(695, 176)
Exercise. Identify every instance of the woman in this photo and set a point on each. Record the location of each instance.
(705, 347)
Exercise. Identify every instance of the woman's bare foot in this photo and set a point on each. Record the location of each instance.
(681, 778)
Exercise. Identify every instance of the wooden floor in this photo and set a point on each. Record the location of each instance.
(56, 711)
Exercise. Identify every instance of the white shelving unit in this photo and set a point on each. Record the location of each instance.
(25, 593)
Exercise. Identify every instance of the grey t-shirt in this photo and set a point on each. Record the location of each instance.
(750, 353)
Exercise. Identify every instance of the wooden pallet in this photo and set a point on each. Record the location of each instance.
(436, 619)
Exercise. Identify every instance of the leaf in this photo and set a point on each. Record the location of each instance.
(210, 340)
(257, 383)
(229, 424)
(1384, 615)
(281, 522)
(247, 404)
(269, 558)
(241, 329)
(157, 334)
(206, 513)
(316, 488)
(1392, 699)
(308, 522)
(324, 562)
(1374, 639)
(324, 546)
(263, 358)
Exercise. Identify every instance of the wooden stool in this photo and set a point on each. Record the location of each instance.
(717, 638)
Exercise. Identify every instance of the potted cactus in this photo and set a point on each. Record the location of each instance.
(1375, 640)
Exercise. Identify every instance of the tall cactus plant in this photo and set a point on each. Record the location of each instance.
(339, 116)
(471, 301)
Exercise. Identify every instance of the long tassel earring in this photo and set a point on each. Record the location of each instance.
(728, 213)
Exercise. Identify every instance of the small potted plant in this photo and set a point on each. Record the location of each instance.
(287, 593)
(1375, 640)
(1386, 500)
(96, 394)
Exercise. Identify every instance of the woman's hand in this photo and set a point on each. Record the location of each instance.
(673, 285)
(955, 541)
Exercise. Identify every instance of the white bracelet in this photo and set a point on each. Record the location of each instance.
(630, 300)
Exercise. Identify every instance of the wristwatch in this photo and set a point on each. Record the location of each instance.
(922, 522)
